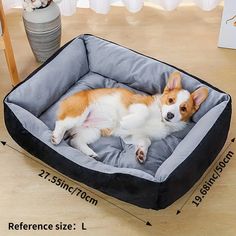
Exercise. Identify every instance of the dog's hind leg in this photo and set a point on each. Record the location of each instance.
(61, 127)
(72, 112)
(84, 137)
(68, 123)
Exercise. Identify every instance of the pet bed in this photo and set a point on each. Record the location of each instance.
(173, 164)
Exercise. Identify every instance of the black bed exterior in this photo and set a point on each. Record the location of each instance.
(132, 189)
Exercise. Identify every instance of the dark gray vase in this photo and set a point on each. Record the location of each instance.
(43, 29)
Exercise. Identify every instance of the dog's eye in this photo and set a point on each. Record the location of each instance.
(170, 100)
(183, 109)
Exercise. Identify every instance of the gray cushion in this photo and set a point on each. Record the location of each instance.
(44, 88)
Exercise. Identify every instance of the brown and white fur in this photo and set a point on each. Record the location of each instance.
(137, 119)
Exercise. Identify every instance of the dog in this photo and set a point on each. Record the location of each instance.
(137, 119)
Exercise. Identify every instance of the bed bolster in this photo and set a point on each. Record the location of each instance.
(197, 162)
(52, 80)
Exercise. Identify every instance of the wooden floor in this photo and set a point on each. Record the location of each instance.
(186, 38)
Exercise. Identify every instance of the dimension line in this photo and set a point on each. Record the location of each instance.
(4, 143)
(203, 177)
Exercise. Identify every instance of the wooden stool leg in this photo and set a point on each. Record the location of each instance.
(11, 60)
(8, 49)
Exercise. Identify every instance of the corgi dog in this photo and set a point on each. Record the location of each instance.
(137, 119)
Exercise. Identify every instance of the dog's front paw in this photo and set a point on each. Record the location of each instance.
(141, 155)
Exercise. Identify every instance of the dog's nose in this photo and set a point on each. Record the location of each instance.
(170, 115)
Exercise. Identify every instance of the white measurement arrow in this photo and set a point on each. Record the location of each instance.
(203, 178)
(4, 143)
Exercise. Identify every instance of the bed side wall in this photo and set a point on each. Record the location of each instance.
(50, 82)
(190, 142)
(196, 164)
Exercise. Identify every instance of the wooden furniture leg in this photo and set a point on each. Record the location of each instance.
(7, 47)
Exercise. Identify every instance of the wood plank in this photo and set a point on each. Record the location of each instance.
(8, 49)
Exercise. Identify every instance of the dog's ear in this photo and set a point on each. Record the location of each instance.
(174, 82)
(199, 96)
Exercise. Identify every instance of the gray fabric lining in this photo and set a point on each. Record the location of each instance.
(53, 80)
(35, 104)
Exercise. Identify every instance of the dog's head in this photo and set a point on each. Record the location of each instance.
(179, 104)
